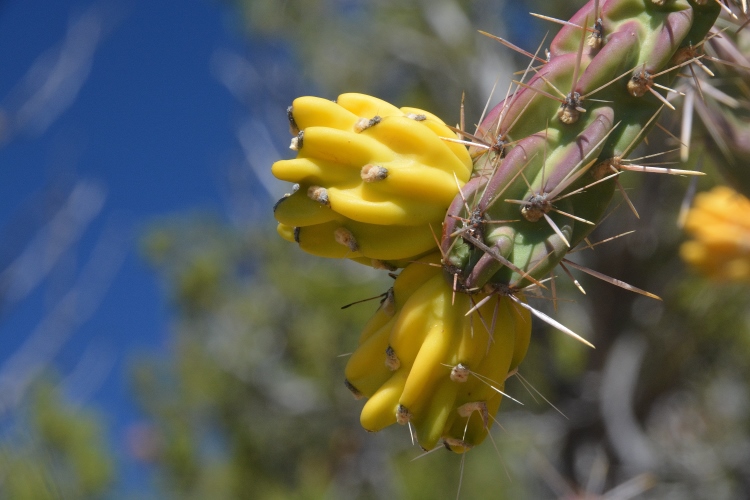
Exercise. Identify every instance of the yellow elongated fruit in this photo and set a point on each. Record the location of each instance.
(372, 182)
(405, 285)
(428, 371)
(429, 425)
(366, 369)
(411, 278)
(299, 209)
(356, 241)
(383, 315)
(489, 374)
(472, 424)
(363, 105)
(381, 409)
(421, 314)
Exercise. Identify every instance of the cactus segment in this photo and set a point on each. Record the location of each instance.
(566, 130)
(528, 182)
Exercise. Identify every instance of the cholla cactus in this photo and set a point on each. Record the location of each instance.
(537, 178)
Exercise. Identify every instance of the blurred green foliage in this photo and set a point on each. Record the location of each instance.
(54, 450)
(423, 53)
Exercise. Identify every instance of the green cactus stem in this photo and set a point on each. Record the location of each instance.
(548, 185)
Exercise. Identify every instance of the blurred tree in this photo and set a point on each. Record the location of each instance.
(54, 450)
(252, 406)
(401, 51)
(423, 53)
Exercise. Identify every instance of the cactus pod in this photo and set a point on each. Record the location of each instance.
(373, 181)
(423, 361)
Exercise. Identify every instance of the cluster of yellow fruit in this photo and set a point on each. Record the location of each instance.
(373, 183)
(422, 361)
(719, 223)
(371, 180)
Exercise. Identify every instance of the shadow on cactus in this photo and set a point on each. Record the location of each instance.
(478, 220)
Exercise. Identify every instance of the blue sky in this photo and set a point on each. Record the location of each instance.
(119, 100)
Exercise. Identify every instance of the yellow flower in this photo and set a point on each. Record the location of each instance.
(719, 222)
(369, 179)
(422, 360)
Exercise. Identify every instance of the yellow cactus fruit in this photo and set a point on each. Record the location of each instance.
(437, 360)
(372, 182)
(719, 223)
